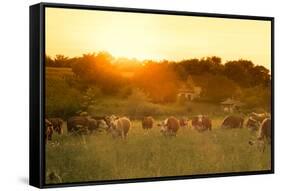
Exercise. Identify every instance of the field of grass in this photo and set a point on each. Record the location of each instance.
(150, 154)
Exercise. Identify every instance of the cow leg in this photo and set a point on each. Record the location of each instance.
(123, 135)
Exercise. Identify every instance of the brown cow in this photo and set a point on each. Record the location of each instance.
(48, 130)
(201, 123)
(170, 126)
(265, 130)
(57, 124)
(147, 122)
(78, 125)
(232, 121)
(183, 122)
(119, 127)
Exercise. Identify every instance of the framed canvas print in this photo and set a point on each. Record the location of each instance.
(123, 95)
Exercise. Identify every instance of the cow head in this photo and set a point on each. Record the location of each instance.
(109, 119)
(252, 124)
(111, 125)
(102, 124)
(163, 128)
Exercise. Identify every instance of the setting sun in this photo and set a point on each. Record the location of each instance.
(152, 36)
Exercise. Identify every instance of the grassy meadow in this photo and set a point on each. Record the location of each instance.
(149, 154)
(143, 153)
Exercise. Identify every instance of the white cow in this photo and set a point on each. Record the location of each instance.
(119, 127)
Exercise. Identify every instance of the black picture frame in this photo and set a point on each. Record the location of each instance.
(37, 92)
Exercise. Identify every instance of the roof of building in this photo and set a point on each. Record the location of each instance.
(230, 101)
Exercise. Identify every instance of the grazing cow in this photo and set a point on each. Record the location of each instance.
(48, 130)
(147, 122)
(170, 126)
(96, 125)
(264, 134)
(78, 125)
(201, 123)
(265, 130)
(119, 127)
(183, 122)
(259, 116)
(232, 121)
(57, 124)
(252, 124)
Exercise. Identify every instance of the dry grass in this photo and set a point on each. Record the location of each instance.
(149, 154)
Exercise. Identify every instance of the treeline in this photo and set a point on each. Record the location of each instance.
(160, 80)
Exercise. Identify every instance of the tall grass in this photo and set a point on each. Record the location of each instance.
(149, 154)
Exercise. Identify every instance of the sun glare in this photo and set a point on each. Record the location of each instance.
(149, 36)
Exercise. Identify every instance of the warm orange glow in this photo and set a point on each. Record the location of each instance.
(149, 36)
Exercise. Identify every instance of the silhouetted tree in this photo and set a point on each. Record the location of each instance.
(49, 61)
(160, 80)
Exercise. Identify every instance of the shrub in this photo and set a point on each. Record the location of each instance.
(61, 99)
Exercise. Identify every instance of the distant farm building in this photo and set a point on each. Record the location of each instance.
(189, 90)
(229, 105)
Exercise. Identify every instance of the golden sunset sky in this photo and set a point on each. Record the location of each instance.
(73, 32)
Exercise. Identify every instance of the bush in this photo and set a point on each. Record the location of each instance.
(136, 102)
(61, 99)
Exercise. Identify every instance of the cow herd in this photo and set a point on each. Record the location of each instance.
(120, 126)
